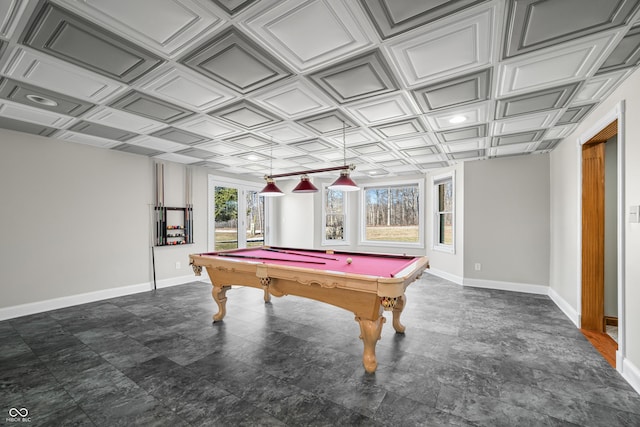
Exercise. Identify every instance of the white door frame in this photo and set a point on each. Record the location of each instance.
(242, 186)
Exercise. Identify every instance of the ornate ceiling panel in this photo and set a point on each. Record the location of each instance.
(233, 6)
(38, 116)
(457, 44)
(392, 17)
(59, 33)
(147, 106)
(382, 109)
(534, 24)
(135, 149)
(308, 34)
(626, 54)
(461, 134)
(173, 28)
(246, 115)
(180, 136)
(102, 131)
(236, 62)
(362, 77)
(415, 85)
(455, 92)
(23, 126)
(296, 98)
(53, 74)
(10, 12)
(542, 100)
(187, 89)
(24, 93)
(122, 120)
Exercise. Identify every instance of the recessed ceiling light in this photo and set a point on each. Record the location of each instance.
(253, 157)
(42, 100)
(457, 119)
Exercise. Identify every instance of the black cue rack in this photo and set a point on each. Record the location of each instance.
(172, 229)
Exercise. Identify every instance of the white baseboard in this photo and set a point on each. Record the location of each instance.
(619, 360)
(566, 308)
(166, 283)
(71, 300)
(631, 373)
(507, 286)
(444, 275)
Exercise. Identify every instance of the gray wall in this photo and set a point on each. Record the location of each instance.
(565, 283)
(292, 217)
(77, 219)
(506, 220)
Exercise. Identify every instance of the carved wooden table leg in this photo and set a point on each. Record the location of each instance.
(397, 311)
(220, 297)
(370, 331)
(264, 282)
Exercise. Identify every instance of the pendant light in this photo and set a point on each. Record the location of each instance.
(344, 181)
(271, 189)
(305, 186)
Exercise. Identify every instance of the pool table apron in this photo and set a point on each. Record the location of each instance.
(365, 296)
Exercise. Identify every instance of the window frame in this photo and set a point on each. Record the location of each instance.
(391, 243)
(436, 181)
(347, 223)
(242, 186)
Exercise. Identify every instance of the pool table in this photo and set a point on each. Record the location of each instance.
(363, 283)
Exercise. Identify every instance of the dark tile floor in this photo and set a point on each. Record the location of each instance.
(469, 357)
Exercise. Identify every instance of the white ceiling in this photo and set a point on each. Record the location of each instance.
(235, 85)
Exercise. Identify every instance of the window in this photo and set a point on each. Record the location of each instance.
(444, 214)
(392, 214)
(334, 214)
(236, 214)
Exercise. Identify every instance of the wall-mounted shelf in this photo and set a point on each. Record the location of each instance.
(174, 225)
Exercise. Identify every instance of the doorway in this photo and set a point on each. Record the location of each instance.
(600, 239)
(236, 215)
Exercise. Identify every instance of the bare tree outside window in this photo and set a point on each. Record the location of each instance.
(392, 213)
(334, 227)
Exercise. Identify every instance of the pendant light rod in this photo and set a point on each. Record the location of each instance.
(312, 171)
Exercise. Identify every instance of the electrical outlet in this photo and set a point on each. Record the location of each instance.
(178, 265)
(634, 214)
(478, 266)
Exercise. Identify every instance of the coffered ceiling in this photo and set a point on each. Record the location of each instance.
(236, 85)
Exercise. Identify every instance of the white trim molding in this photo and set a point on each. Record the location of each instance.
(71, 300)
(391, 243)
(346, 225)
(629, 371)
(444, 275)
(566, 308)
(507, 286)
(435, 203)
(242, 187)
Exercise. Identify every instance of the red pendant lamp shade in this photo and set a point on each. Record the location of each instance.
(344, 183)
(305, 186)
(271, 189)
